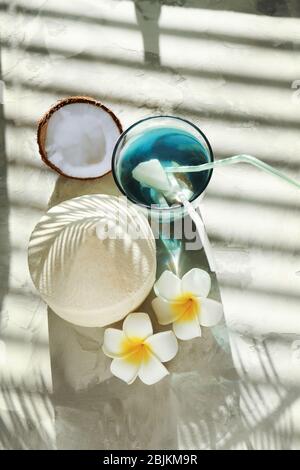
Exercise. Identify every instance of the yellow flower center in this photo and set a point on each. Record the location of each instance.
(136, 351)
(185, 307)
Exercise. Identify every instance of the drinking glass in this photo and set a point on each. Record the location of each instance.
(173, 141)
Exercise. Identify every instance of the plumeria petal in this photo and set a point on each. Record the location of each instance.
(163, 310)
(113, 342)
(124, 369)
(185, 307)
(187, 329)
(152, 370)
(196, 281)
(168, 286)
(211, 312)
(163, 345)
(137, 325)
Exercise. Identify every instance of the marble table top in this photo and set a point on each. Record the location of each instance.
(233, 70)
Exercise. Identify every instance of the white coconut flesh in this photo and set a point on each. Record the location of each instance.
(80, 140)
(166, 188)
(87, 280)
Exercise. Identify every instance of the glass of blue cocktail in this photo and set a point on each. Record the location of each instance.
(173, 141)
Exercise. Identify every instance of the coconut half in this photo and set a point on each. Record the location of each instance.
(76, 137)
(87, 275)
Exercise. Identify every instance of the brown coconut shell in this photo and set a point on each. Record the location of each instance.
(43, 124)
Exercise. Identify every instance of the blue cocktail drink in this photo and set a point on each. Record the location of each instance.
(171, 146)
(173, 142)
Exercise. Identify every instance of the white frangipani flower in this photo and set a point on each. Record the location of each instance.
(184, 303)
(136, 351)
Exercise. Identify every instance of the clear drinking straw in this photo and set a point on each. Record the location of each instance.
(208, 166)
(232, 160)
